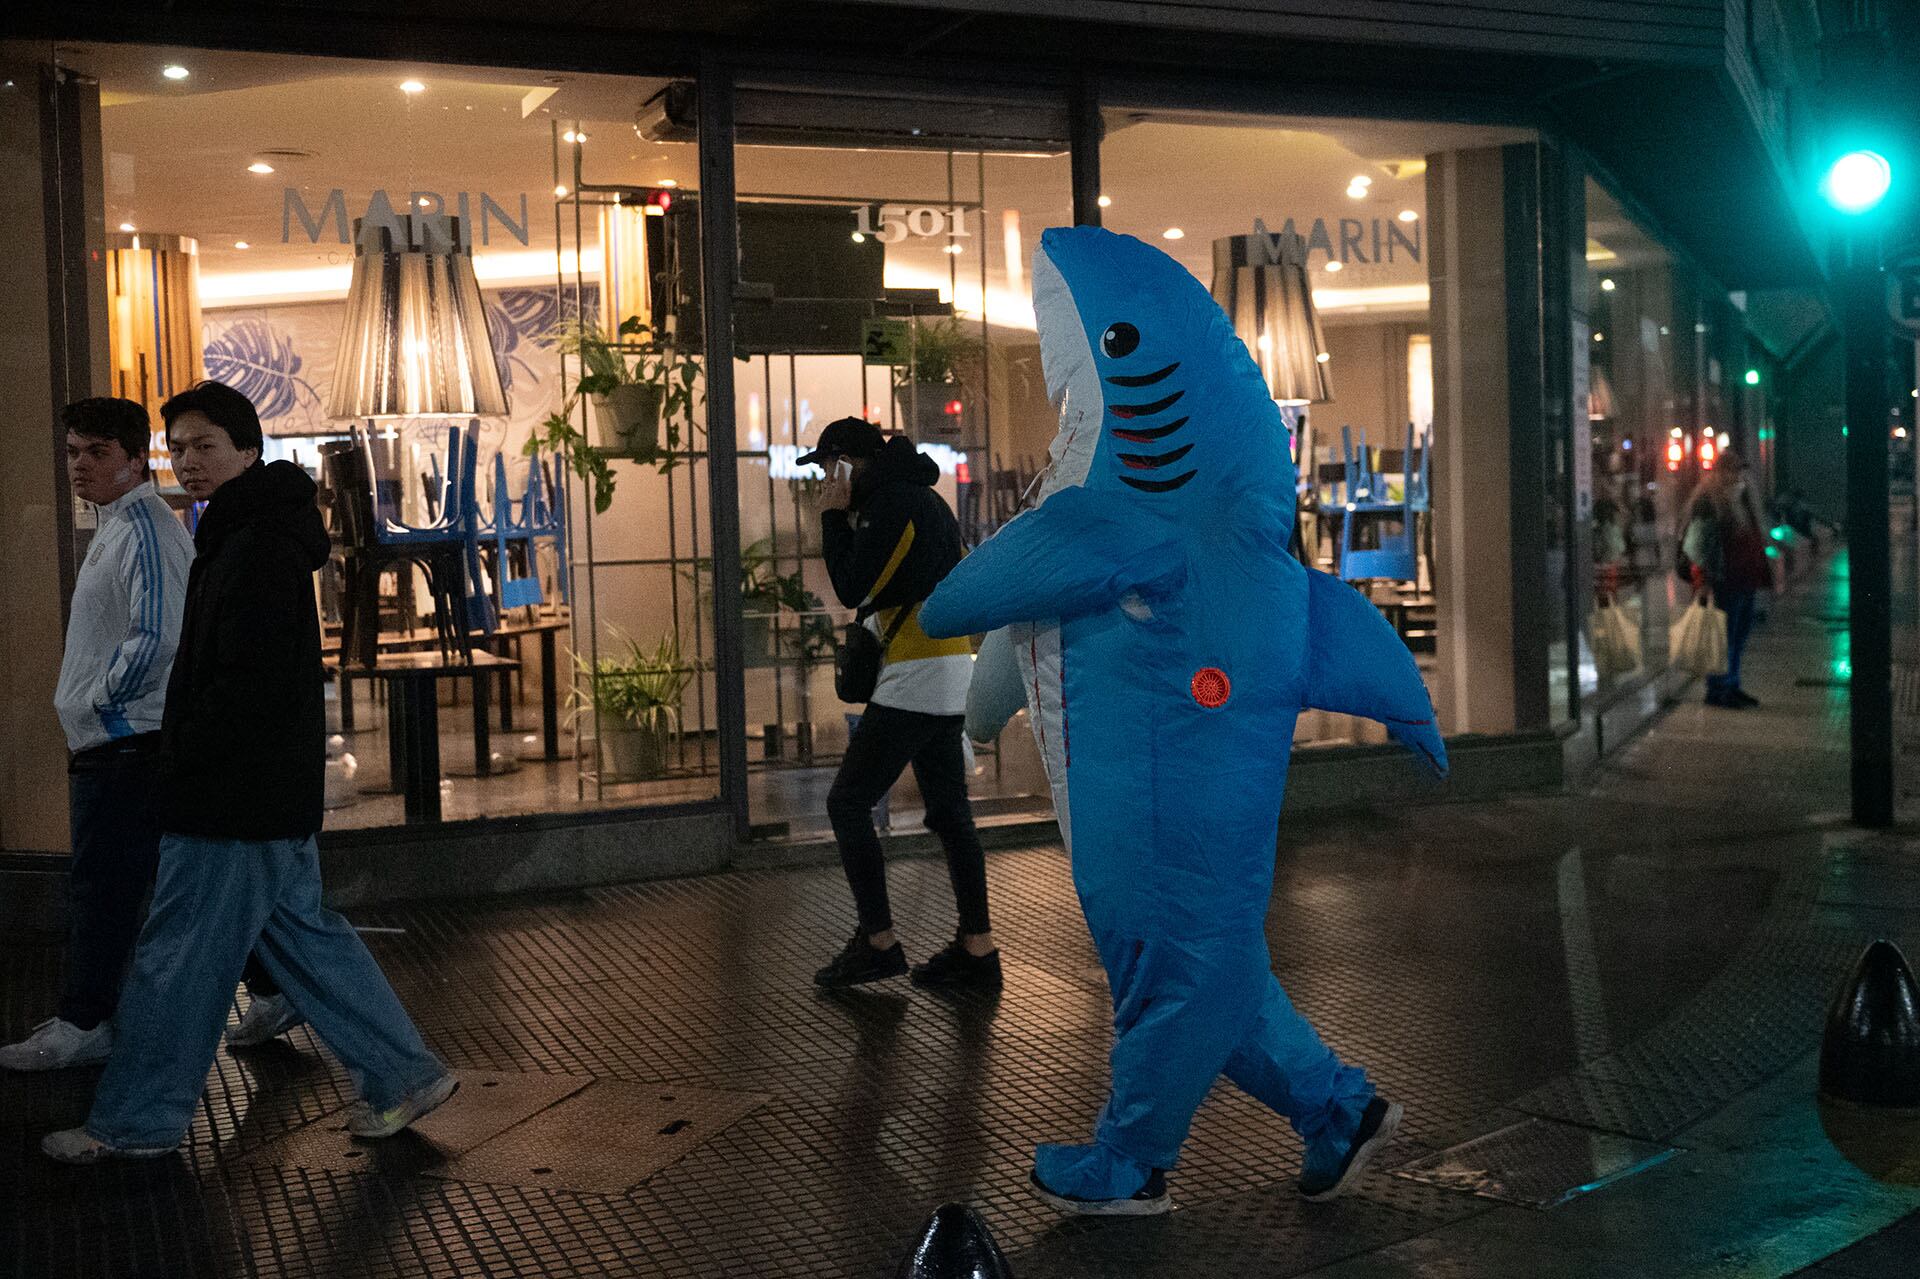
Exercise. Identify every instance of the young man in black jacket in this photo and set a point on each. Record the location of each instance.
(888, 540)
(242, 759)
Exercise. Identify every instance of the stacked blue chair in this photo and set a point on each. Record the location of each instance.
(1368, 498)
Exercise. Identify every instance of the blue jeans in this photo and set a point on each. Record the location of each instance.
(1739, 610)
(216, 899)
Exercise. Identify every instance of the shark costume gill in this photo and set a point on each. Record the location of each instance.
(1166, 642)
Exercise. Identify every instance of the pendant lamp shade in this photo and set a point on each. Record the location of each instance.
(415, 341)
(1260, 281)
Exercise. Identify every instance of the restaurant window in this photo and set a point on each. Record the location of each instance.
(286, 224)
(1647, 446)
(885, 244)
(1386, 500)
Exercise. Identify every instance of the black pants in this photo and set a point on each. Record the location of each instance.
(886, 741)
(116, 848)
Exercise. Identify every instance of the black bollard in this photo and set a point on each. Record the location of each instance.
(1870, 1054)
(956, 1244)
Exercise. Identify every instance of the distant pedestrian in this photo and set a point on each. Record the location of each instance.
(1725, 550)
(242, 755)
(888, 540)
(122, 628)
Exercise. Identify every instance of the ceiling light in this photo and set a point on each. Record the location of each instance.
(412, 86)
(668, 183)
(573, 135)
(953, 248)
(1173, 233)
(1362, 180)
(1607, 286)
(126, 226)
(241, 244)
(560, 190)
(1408, 215)
(1104, 201)
(1356, 193)
(859, 238)
(1336, 265)
(1599, 337)
(174, 71)
(1322, 358)
(259, 166)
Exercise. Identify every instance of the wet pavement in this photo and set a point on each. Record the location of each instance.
(1599, 1010)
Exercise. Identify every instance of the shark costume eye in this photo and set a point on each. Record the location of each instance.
(1120, 339)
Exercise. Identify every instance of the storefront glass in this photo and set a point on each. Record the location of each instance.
(884, 247)
(1645, 444)
(245, 196)
(1386, 501)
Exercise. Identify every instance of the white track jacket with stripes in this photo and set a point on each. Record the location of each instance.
(125, 625)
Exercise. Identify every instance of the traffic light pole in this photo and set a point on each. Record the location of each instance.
(1870, 575)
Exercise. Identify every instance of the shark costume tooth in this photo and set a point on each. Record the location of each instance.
(1164, 642)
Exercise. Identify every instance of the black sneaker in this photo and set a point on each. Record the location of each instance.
(1148, 1201)
(1378, 1124)
(954, 969)
(860, 962)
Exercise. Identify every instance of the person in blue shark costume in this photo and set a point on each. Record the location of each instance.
(1165, 644)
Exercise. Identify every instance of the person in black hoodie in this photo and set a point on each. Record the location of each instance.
(888, 540)
(242, 759)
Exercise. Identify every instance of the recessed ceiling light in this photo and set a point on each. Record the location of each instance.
(1408, 215)
(174, 71)
(953, 248)
(859, 238)
(573, 135)
(1599, 337)
(241, 244)
(126, 226)
(1361, 180)
(1336, 265)
(259, 166)
(412, 86)
(668, 183)
(1173, 233)
(1105, 201)
(1607, 286)
(1357, 193)
(1322, 358)
(560, 190)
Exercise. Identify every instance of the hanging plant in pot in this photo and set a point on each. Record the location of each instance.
(636, 385)
(637, 697)
(928, 391)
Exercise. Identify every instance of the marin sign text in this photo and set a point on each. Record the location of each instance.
(330, 220)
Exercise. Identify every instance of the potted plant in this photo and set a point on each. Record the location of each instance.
(637, 695)
(928, 388)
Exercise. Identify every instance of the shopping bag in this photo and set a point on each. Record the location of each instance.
(1616, 640)
(1698, 641)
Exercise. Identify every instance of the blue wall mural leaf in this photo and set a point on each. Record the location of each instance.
(259, 361)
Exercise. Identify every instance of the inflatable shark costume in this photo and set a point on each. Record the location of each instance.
(1165, 643)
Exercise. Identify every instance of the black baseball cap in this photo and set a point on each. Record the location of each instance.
(848, 437)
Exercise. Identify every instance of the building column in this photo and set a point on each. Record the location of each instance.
(53, 350)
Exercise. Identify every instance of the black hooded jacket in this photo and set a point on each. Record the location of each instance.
(894, 490)
(243, 737)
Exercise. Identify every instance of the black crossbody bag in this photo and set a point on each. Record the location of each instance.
(856, 665)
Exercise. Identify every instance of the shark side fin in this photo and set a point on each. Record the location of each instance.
(996, 693)
(1075, 553)
(1358, 665)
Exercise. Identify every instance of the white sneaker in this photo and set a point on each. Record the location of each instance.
(56, 1044)
(267, 1017)
(365, 1121)
(77, 1146)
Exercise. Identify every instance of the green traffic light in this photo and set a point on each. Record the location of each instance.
(1753, 377)
(1857, 181)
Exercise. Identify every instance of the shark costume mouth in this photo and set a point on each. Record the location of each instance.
(1073, 381)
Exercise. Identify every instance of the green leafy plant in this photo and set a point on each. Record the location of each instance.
(766, 592)
(939, 348)
(630, 358)
(641, 687)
